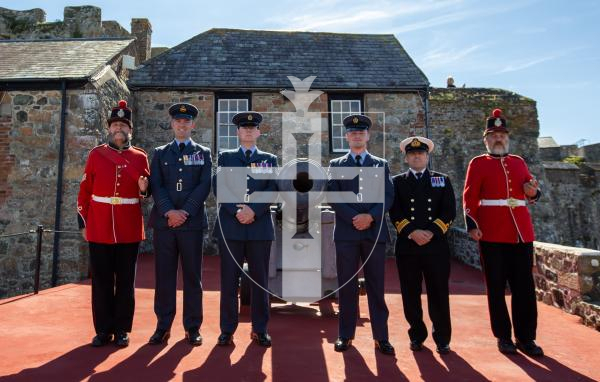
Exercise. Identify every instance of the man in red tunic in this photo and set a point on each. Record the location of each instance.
(110, 217)
(498, 189)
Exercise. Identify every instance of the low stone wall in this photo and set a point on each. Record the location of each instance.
(565, 277)
(463, 248)
(569, 278)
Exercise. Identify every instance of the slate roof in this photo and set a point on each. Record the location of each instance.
(253, 59)
(546, 142)
(56, 59)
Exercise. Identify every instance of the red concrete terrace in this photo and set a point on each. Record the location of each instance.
(46, 337)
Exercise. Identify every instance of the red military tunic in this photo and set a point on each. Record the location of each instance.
(111, 177)
(496, 178)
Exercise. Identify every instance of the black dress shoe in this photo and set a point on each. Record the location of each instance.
(416, 345)
(443, 348)
(101, 339)
(506, 346)
(121, 339)
(342, 344)
(193, 336)
(225, 339)
(159, 337)
(530, 348)
(385, 347)
(263, 339)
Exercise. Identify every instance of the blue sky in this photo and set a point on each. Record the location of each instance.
(545, 50)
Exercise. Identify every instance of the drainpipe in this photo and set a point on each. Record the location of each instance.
(59, 182)
(426, 104)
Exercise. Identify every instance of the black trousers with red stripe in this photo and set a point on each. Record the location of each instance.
(512, 263)
(113, 284)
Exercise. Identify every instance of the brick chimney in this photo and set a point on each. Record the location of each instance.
(142, 30)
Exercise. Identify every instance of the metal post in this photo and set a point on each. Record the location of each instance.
(38, 258)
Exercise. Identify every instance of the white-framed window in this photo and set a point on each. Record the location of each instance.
(227, 131)
(340, 109)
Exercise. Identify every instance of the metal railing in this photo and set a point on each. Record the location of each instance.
(39, 232)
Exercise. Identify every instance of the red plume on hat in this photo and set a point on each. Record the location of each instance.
(495, 122)
(120, 113)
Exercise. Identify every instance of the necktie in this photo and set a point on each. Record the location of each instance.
(248, 153)
(181, 147)
(358, 158)
(419, 175)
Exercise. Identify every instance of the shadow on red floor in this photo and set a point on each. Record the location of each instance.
(45, 338)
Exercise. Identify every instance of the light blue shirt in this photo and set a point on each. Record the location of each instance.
(362, 155)
(187, 141)
(253, 149)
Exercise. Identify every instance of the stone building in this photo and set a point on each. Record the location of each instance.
(54, 95)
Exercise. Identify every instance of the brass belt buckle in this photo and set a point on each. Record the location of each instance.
(179, 186)
(512, 202)
(246, 198)
(359, 197)
(115, 200)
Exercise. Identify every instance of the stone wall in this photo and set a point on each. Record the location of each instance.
(569, 278)
(574, 196)
(591, 153)
(30, 127)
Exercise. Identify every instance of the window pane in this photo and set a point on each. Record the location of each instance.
(345, 107)
(335, 106)
(223, 131)
(355, 107)
(232, 130)
(222, 143)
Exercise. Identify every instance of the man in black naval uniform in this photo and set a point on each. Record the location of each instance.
(180, 179)
(360, 234)
(245, 232)
(423, 209)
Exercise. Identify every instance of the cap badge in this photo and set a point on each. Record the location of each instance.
(121, 113)
(355, 120)
(415, 143)
(182, 109)
(250, 117)
(498, 122)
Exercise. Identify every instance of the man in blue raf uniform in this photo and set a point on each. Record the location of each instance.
(180, 180)
(360, 231)
(245, 231)
(423, 209)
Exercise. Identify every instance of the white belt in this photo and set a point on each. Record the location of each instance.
(510, 202)
(115, 200)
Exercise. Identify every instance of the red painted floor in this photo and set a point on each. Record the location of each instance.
(45, 338)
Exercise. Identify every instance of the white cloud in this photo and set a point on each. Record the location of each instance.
(318, 16)
(443, 57)
(526, 64)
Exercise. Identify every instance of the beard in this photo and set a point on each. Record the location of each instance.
(498, 148)
(126, 138)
